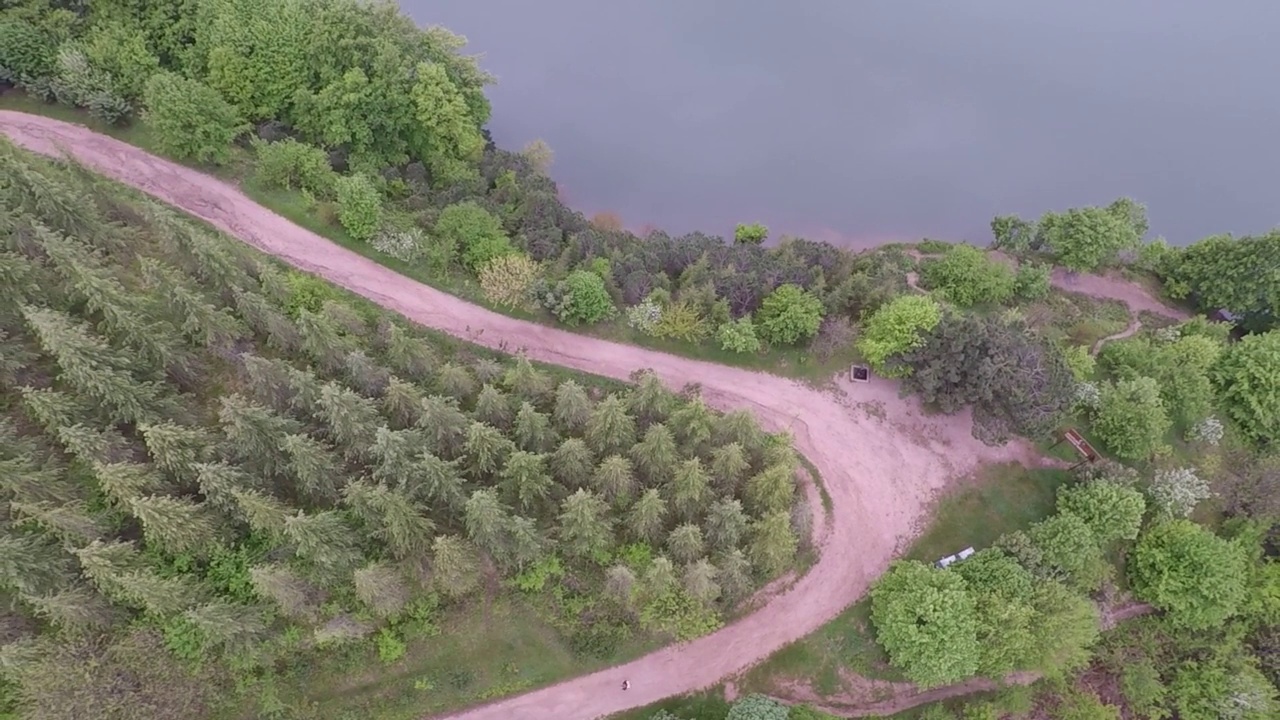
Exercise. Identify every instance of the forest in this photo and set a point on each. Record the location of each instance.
(211, 459)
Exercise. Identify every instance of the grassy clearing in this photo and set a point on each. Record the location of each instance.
(319, 218)
(1077, 319)
(1002, 498)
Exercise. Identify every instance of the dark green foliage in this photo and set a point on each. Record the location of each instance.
(190, 120)
(580, 299)
(1240, 275)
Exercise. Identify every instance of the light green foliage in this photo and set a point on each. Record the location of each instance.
(675, 613)
(1239, 274)
(474, 231)
(758, 707)
(390, 647)
(1086, 706)
(681, 320)
(1248, 382)
(1196, 577)
(895, 328)
(120, 50)
(190, 120)
(925, 620)
(789, 315)
(750, 234)
(1222, 689)
(582, 299)
(1084, 239)
(739, 336)
(508, 279)
(1143, 690)
(1113, 512)
(1080, 360)
(451, 134)
(24, 50)
(1131, 419)
(359, 205)
(1070, 551)
(294, 165)
(966, 276)
(1032, 281)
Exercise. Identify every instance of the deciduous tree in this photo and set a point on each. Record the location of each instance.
(926, 620)
(189, 119)
(1196, 577)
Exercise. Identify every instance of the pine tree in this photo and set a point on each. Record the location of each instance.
(202, 321)
(53, 409)
(92, 367)
(614, 480)
(726, 524)
(739, 427)
(689, 490)
(585, 526)
(445, 426)
(161, 596)
(493, 407)
(125, 482)
(176, 525)
(255, 433)
(32, 564)
(270, 381)
(25, 482)
(285, 588)
(648, 516)
(70, 522)
(572, 408)
(205, 256)
(455, 566)
(610, 430)
(218, 483)
(659, 578)
(365, 374)
(455, 381)
(487, 449)
(620, 584)
(685, 543)
(533, 431)
(306, 389)
(406, 354)
(344, 318)
(75, 609)
(104, 563)
(771, 490)
(728, 466)
(487, 520)
(525, 482)
(440, 482)
(324, 540)
(176, 449)
(382, 589)
(276, 327)
(572, 463)
(91, 446)
(16, 354)
(525, 541)
(734, 576)
(773, 544)
(395, 454)
(528, 382)
(314, 466)
(401, 403)
(650, 401)
(699, 581)
(322, 341)
(392, 516)
(227, 624)
(263, 513)
(656, 455)
(353, 420)
(693, 425)
(487, 370)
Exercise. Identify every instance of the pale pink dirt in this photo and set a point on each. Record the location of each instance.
(880, 467)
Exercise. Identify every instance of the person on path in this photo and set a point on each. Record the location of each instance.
(626, 684)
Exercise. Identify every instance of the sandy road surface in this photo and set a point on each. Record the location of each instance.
(881, 459)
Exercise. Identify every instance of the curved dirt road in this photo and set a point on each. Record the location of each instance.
(880, 457)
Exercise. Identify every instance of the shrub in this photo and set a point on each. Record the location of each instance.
(968, 277)
(758, 707)
(579, 299)
(390, 647)
(1196, 577)
(1087, 396)
(508, 280)
(739, 336)
(403, 245)
(1208, 431)
(1131, 418)
(294, 165)
(1176, 493)
(359, 206)
(190, 119)
(1081, 362)
(24, 51)
(681, 321)
(895, 328)
(788, 315)
(750, 234)
(476, 232)
(1032, 281)
(108, 107)
(834, 335)
(644, 316)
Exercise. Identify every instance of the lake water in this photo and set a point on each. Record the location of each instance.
(861, 120)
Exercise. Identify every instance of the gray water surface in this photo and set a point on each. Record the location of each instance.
(864, 121)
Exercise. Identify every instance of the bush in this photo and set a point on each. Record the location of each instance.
(190, 119)
(579, 299)
(1176, 493)
(758, 707)
(739, 336)
(1196, 577)
(108, 107)
(294, 165)
(359, 206)
(508, 280)
(895, 328)
(750, 234)
(967, 276)
(644, 316)
(834, 335)
(788, 315)
(403, 245)
(1131, 418)
(681, 321)
(390, 647)
(1081, 362)
(474, 231)
(1032, 281)
(24, 51)
(1208, 431)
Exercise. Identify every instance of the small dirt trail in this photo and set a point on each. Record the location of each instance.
(881, 468)
(1134, 326)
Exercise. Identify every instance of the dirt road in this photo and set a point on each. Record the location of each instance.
(881, 467)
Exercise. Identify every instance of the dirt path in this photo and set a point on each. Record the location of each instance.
(1134, 326)
(881, 467)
